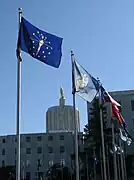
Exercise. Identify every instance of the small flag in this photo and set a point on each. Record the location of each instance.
(86, 86)
(39, 44)
(115, 110)
(124, 135)
(117, 149)
(107, 98)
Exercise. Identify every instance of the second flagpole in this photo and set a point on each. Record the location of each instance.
(18, 53)
(75, 120)
(102, 138)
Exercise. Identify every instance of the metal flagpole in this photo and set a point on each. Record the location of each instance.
(102, 138)
(101, 163)
(18, 51)
(75, 120)
(124, 163)
(121, 160)
(87, 171)
(118, 167)
(107, 157)
(94, 157)
(114, 153)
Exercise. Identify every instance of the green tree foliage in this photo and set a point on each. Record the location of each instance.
(92, 129)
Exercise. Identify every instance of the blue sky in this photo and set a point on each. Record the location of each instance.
(101, 34)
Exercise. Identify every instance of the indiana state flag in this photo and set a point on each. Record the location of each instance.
(40, 44)
(86, 85)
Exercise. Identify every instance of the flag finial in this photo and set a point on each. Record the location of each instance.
(72, 53)
(20, 10)
(99, 81)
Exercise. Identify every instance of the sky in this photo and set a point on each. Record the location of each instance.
(101, 35)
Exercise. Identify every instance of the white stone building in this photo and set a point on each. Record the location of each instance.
(39, 151)
(61, 118)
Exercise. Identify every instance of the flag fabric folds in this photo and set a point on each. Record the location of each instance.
(86, 86)
(115, 105)
(39, 44)
(117, 149)
(124, 135)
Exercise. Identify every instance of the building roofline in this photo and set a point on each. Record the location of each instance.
(40, 133)
(65, 106)
(120, 93)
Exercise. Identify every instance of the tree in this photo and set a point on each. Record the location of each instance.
(93, 136)
(92, 129)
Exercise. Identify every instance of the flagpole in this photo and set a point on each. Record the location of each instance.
(121, 159)
(124, 163)
(94, 166)
(101, 163)
(87, 171)
(102, 138)
(118, 167)
(18, 53)
(114, 153)
(107, 158)
(75, 120)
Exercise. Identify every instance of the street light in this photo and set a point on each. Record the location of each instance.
(24, 166)
(23, 170)
(62, 162)
(38, 168)
(50, 164)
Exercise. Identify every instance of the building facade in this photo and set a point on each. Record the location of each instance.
(39, 151)
(61, 118)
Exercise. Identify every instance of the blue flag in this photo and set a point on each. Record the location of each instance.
(86, 85)
(39, 44)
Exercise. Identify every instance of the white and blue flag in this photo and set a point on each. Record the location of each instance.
(86, 86)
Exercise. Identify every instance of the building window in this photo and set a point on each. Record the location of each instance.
(38, 163)
(15, 140)
(28, 175)
(3, 152)
(61, 137)
(28, 139)
(3, 163)
(39, 150)
(15, 151)
(28, 150)
(3, 140)
(62, 149)
(50, 138)
(132, 105)
(50, 150)
(39, 138)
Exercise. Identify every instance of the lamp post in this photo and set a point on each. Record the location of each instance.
(50, 164)
(62, 165)
(38, 168)
(23, 170)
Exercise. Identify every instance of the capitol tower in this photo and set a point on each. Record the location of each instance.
(61, 118)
